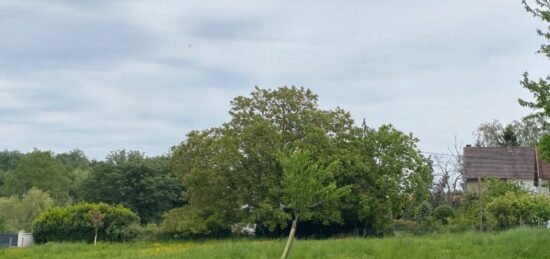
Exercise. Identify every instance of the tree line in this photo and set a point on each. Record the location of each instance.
(224, 179)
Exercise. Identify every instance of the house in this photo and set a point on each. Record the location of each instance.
(518, 164)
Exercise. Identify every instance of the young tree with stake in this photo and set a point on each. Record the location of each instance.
(306, 185)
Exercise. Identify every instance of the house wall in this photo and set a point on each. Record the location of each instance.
(472, 186)
(526, 183)
(545, 187)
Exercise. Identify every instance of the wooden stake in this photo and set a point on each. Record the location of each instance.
(290, 238)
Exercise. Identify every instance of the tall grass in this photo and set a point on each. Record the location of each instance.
(517, 243)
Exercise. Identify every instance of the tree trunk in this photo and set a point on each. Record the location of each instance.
(290, 238)
(365, 229)
(95, 238)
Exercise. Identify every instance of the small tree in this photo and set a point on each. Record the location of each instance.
(544, 147)
(305, 186)
(97, 222)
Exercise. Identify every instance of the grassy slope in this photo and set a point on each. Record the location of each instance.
(519, 243)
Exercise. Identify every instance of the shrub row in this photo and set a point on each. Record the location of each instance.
(74, 223)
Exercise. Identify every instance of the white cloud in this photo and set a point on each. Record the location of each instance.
(105, 75)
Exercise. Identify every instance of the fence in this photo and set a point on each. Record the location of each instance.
(8, 240)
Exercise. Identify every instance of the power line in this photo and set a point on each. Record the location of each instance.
(435, 153)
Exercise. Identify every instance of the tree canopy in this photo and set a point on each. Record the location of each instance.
(232, 174)
(540, 89)
(41, 170)
(145, 185)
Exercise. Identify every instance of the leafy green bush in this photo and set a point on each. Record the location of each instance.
(188, 221)
(540, 209)
(409, 226)
(74, 223)
(443, 213)
(513, 209)
(149, 232)
(423, 212)
(494, 188)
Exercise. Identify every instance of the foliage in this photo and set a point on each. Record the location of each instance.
(74, 159)
(540, 209)
(73, 223)
(539, 89)
(525, 133)
(544, 148)
(3, 228)
(307, 185)
(41, 170)
(18, 213)
(513, 209)
(494, 188)
(509, 138)
(443, 213)
(9, 160)
(188, 221)
(142, 184)
(390, 177)
(510, 210)
(232, 174)
(423, 212)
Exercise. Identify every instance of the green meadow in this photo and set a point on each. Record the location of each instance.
(517, 243)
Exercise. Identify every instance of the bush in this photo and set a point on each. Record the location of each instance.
(494, 188)
(74, 223)
(540, 209)
(409, 226)
(514, 209)
(2, 224)
(149, 232)
(443, 213)
(188, 221)
(423, 212)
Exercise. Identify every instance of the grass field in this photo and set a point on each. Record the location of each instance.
(518, 243)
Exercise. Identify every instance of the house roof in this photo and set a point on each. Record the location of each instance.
(501, 162)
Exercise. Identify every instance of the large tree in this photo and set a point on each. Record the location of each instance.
(389, 177)
(540, 88)
(8, 162)
(525, 133)
(19, 213)
(9, 159)
(232, 174)
(145, 185)
(74, 159)
(39, 169)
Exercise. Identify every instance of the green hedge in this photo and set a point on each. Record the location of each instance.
(74, 223)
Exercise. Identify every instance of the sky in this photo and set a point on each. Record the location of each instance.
(106, 75)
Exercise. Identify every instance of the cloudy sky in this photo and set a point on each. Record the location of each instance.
(106, 75)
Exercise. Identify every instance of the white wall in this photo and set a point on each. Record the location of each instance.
(24, 239)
